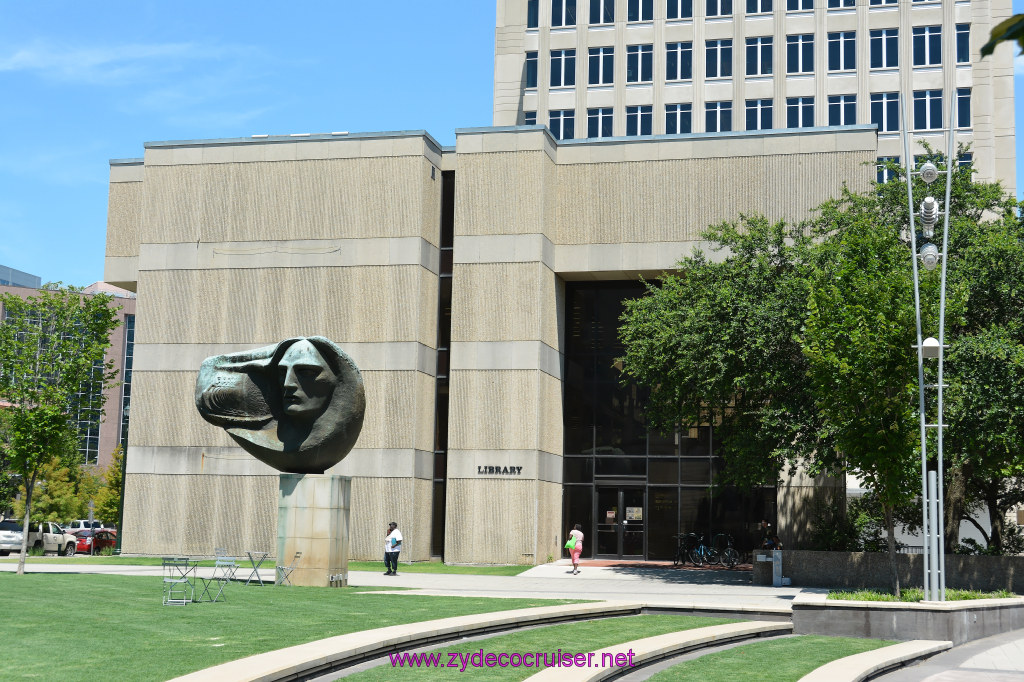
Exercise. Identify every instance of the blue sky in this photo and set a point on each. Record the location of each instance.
(82, 83)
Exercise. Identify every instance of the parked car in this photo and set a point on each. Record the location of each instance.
(93, 540)
(50, 537)
(10, 537)
(81, 524)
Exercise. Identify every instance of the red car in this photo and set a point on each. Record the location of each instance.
(93, 540)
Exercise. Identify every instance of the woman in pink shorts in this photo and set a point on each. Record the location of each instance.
(577, 533)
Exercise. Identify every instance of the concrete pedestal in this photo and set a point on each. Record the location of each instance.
(312, 518)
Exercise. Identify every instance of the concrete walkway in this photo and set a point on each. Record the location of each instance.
(999, 658)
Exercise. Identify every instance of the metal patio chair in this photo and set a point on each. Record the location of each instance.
(178, 587)
(284, 573)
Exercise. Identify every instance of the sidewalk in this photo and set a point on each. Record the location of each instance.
(999, 658)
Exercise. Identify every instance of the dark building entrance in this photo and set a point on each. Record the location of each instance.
(629, 488)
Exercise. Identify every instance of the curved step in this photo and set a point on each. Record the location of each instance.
(610, 661)
(861, 666)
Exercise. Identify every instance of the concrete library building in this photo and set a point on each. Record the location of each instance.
(478, 287)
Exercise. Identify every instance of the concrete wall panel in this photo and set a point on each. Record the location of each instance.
(505, 302)
(124, 218)
(505, 410)
(491, 521)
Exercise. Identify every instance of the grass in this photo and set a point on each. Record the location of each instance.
(569, 637)
(371, 566)
(915, 594)
(117, 623)
(779, 660)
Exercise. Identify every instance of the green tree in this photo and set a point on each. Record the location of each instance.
(51, 346)
(8, 479)
(108, 497)
(58, 494)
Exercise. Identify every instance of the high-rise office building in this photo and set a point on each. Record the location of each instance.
(601, 68)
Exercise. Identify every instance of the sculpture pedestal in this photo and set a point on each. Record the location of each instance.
(312, 518)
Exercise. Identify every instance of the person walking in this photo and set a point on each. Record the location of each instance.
(577, 549)
(392, 546)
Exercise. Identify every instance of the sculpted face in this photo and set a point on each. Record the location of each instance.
(306, 381)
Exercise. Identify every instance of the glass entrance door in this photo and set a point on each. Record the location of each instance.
(620, 522)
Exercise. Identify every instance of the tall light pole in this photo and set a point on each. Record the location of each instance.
(930, 255)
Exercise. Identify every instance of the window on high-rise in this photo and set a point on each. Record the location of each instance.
(529, 118)
(531, 69)
(640, 10)
(927, 45)
(563, 68)
(799, 112)
(842, 51)
(532, 13)
(563, 13)
(126, 378)
(799, 5)
(883, 2)
(639, 120)
(718, 58)
(680, 9)
(602, 11)
(679, 61)
(965, 159)
(839, 4)
(927, 109)
(759, 114)
(963, 107)
(884, 172)
(842, 110)
(718, 8)
(963, 43)
(601, 67)
(759, 6)
(718, 117)
(599, 122)
(678, 118)
(800, 53)
(885, 111)
(759, 56)
(884, 48)
(639, 63)
(561, 122)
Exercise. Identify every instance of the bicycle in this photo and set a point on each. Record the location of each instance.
(728, 554)
(685, 542)
(702, 554)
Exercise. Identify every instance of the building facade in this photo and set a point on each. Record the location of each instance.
(601, 68)
(9, 277)
(477, 288)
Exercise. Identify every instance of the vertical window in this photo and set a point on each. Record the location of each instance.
(927, 109)
(759, 114)
(532, 13)
(838, 4)
(842, 110)
(718, 117)
(759, 56)
(602, 11)
(529, 118)
(718, 58)
(884, 173)
(599, 122)
(639, 120)
(678, 118)
(965, 159)
(842, 53)
(800, 53)
(718, 8)
(884, 48)
(639, 63)
(927, 45)
(640, 10)
(563, 68)
(963, 107)
(562, 123)
(885, 111)
(963, 43)
(798, 5)
(678, 61)
(601, 65)
(800, 112)
(680, 9)
(531, 69)
(759, 6)
(563, 13)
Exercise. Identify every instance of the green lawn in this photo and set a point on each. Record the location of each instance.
(119, 628)
(569, 637)
(779, 660)
(915, 594)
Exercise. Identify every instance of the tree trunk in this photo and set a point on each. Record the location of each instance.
(890, 528)
(956, 490)
(995, 518)
(29, 486)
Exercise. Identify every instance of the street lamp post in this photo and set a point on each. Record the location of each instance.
(930, 348)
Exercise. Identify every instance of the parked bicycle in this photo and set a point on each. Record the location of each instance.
(703, 554)
(685, 543)
(727, 553)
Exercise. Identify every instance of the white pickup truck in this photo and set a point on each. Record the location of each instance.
(50, 537)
